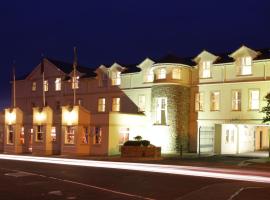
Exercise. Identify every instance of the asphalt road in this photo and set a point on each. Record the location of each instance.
(39, 181)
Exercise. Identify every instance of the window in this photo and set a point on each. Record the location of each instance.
(141, 104)
(116, 79)
(176, 73)
(70, 135)
(206, 69)
(161, 73)
(161, 110)
(58, 84)
(46, 85)
(215, 98)
(103, 81)
(85, 135)
(101, 104)
(116, 104)
(199, 101)
(53, 134)
(22, 135)
(97, 135)
(236, 100)
(10, 132)
(245, 66)
(254, 99)
(39, 133)
(124, 135)
(75, 82)
(34, 86)
(149, 76)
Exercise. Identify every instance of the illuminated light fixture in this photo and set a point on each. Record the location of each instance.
(229, 174)
(70, 116)
(10, 116)
(40, 116)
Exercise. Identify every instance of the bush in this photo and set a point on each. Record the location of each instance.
(132, 143)
(137, 143)
(145, 143)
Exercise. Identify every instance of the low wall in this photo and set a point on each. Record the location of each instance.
(140, 151)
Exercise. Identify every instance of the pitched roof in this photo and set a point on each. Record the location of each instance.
(170, 58)
(68, 67)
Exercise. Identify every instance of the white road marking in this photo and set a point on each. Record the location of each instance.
(229, 174)
(59, 193)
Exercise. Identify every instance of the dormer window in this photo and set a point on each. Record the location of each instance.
(161, 73)
(245, 66)
(176, 73)
(149, 76)
(206, 69)
(116, 78)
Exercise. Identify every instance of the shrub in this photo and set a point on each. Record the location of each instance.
(138, 138)
(137, 143)
(132, 143)
(145, 143)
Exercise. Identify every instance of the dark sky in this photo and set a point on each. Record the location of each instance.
(126, 31)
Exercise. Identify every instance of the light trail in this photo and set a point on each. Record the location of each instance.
(239, 175)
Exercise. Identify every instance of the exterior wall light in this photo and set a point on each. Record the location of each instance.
(70, 116)
(10, 116)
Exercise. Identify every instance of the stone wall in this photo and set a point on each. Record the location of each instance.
(178, 103)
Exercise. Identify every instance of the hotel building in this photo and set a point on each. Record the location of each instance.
(209, 104)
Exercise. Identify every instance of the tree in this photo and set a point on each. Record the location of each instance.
(266, 118)
(266, 109)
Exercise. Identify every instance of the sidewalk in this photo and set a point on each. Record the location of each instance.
(191, 159)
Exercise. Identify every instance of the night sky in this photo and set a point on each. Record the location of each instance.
(123, 31)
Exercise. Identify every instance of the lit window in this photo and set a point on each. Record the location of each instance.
(245, 66)
(34, 86)
(199, 101)
(97, 135)
(124, 135)
(85, 135)
(206, 69)
(57, 84)
(236, 100)
(10, 132)
(141, 103)
(254, 99)
(176, 73)
(53, 134)
(161, 110)
(46, 85)
(161, 73)
(149, 76)
(22, 135)
(116, 104)
(101, 104)
(70, 135)
(39, 133)
(75, 82)
(116, 78)
(215, 99)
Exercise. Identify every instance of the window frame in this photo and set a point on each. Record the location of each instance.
(235, 101)
(213, 101)
(102, 105)
(116, 105)
(58, 84)
(178, 73)
(250, 99)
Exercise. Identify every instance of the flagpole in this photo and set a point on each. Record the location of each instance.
(14, 86)
(75, 63)
(43, 79)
